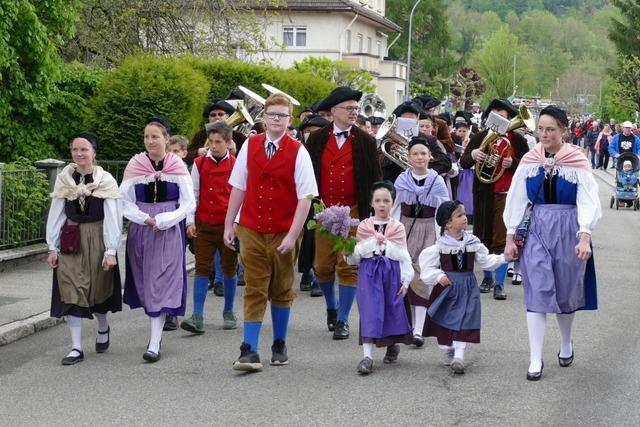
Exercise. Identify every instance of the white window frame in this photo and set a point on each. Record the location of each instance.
(295, 31)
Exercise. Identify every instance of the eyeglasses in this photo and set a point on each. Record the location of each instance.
(350, 109)
(278, 115)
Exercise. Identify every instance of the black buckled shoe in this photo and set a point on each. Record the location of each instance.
(342, 331)
(152, 356)
(249, 360)
(101, 347)
(315, 290)
(486, 285)
(535, 376)
(279, 353)
(565, 362)
(418, 341)
(72, 360)
(499, 293)
(517, 279)
(332, 318)
(391, 356)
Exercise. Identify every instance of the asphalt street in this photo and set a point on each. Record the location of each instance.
(194, 384)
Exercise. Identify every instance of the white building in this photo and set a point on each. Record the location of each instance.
(355, 31)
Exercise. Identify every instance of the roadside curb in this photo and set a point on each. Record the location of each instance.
(19, 329)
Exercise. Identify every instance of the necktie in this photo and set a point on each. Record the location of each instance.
(271, 149)
(344, 133)
(81, 198)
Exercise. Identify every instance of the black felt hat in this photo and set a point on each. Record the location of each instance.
(218, 104)
(235, 93)
(420, 139)
(462, 118)
(89, 136)
(375, 120)
(313, 120)
(446, 117)
(445, 210)
(407, 107)
(338, 95)
(427, 101)
(161, 120)
(500, 104)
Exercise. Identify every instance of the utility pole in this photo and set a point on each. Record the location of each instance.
(406, 89)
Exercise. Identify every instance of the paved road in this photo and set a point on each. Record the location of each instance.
(193, 384)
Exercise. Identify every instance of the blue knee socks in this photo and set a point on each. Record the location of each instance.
(329, 292)
(501, 273)
(229, 284)
(280, 320)
(200, 286)
(251, 331)
(346, 296)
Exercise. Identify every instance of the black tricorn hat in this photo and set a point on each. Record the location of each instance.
(500, 104)
(338, 95)
(446, 117)
(375, 120)
(427, 101)
(313, 120)
(407, 107)
(235, 93)
(218, 104)
(463, 117)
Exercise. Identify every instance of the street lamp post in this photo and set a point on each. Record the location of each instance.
(406, 90)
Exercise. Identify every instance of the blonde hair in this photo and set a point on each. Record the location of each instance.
(181, 140)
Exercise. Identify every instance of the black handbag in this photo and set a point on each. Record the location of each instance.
(520, 236)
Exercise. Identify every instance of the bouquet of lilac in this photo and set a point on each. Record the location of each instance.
(335, 223)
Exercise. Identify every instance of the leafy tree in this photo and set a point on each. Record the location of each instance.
(340, 73)
(625, 32)
(466, 85)
(29, 66)
(627, 84)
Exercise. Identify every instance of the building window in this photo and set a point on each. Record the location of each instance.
(399, 96)
(360, 43)
(380, 53)
(294, 36)
(348, 41)
(369, 45)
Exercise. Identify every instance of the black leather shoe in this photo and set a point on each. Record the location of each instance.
(315, 290)
(170, 323)
(151, 356)
(218, 289)
(517, 279)
(392, 354)
(498, 293)
(305, 282)
(535, 376)
(365, 367)
(342, 331)
(566, 361)
(72, 360)
(486, 285)
(418, 341)
(102, 347)
(332, 318)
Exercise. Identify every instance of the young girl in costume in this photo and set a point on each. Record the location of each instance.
(454, 303)
(420, 191)
(384, 274)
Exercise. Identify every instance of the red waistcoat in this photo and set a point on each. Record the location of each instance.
(214, 189)
(504, 182)
(337, 180)
(271, 198)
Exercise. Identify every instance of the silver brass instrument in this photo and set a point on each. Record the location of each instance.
(497, 147)
(254, 105)
(272, 90)
(393, 145)
(372, 104)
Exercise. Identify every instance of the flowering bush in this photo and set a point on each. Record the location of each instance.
(335, 223)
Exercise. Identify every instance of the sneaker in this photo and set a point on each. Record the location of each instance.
(248, 361)
(341, 331)
(218, 289)
(510, 272)
(230, 320)
(279, 354)
(315, 289)
(170, 323)
(517, 279)
(305, 283)
(486, 285)
(332, 319)
(448, 356)
(499, 293)
(365, 367)
(193, 324)
(418, 341)
(457, 366)
(392, 354)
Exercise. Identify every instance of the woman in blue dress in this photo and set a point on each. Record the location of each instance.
(558, 272)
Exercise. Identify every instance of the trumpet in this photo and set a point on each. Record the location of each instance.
(497, 147)
(393, 146)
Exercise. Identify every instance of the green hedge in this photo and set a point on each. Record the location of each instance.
(141, 87)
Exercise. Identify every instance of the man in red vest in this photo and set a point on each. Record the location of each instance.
(345, 160)
(210, 175)
(272, 181)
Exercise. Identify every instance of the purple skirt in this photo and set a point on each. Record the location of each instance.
(383, 317)
(156, 274)
(465, 189)
(554, 279)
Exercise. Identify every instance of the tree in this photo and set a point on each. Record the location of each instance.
(340, 73)
(430, 41)
(627, 85)
(466, 85)
(29, 67)
(494, 62)
(625, 32)
(109, 30)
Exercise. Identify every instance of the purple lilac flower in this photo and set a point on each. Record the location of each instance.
(336, 220)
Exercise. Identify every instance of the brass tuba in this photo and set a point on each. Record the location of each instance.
(497, 147)
(393, 145)
(372, 104)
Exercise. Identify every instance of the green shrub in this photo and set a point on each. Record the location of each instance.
(25, 197)
(143, 86)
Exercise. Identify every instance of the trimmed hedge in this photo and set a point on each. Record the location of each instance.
(143, 86)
